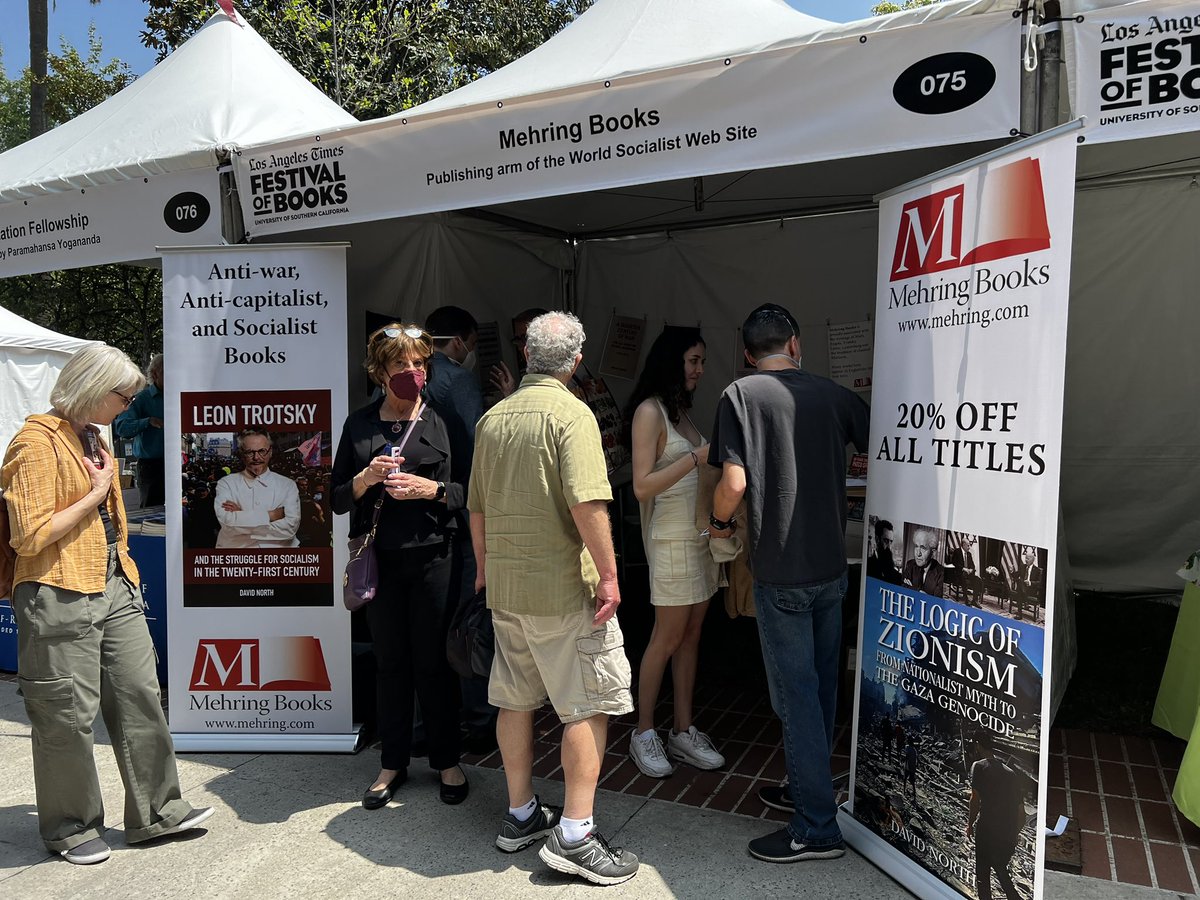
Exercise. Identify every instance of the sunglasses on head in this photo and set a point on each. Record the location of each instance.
(392, 332)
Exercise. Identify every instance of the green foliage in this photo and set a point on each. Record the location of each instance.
(884, 8)
(391, 54)
(74, 84)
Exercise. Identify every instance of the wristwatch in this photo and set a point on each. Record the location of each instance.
(441, 491)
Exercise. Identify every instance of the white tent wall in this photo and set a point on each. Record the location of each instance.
(406, 268)
(1131, 433)
(714, 277)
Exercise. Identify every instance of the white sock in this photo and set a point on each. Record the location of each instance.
(522, 813)
(646, 735)
(575, 830)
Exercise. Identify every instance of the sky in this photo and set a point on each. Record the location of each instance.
(119, 22)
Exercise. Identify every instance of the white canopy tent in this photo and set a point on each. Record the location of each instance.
(140, 169)
(30, 359)
(706, 237)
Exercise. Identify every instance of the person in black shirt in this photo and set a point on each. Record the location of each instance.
(780, 439)
(411, 612)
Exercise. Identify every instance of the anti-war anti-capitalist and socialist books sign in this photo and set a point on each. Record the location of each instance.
(948, 769)
(259, 644)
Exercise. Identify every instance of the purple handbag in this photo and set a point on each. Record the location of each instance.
(362, 571)
(361, 580)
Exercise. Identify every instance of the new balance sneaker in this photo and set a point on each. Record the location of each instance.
(591, 858)
(515, 835)
(780, 847)
(777, 796)
(694, 748)
(88, 853)
(649, 756)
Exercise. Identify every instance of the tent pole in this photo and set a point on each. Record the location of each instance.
(1051, 69)
(1029, 80)
(233, 228)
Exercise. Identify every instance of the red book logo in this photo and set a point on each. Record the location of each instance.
(260, 664)
(1012, 221)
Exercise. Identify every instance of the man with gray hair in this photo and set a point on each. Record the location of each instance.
(538, 500)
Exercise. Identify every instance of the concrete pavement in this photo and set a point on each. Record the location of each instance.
(291, 826)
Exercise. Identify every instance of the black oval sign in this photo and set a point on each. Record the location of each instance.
(944, 83)
(186, 212)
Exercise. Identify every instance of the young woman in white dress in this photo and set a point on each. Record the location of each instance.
(668, 450)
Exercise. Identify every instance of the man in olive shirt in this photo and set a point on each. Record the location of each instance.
(538, 499)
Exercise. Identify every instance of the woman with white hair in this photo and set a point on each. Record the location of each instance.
(82, 641)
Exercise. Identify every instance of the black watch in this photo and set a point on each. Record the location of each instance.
(441, 491)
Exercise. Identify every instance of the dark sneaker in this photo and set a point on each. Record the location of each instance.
(192, 820)
(780, 847)
(591, 858)
(88, 853)
(516, 835)
(777, 796)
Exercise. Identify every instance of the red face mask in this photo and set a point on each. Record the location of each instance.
(407, 385)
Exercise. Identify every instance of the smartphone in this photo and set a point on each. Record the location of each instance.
(92, 448)
(396, 453)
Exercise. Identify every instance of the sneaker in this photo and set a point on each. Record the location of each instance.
(695, 748)
(515, 835)
(591, 858)
(777, 796)
(88, 853)
(649, 756)
(188, 822)
(779, 847)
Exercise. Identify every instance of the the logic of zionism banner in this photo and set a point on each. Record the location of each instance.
(948, 772)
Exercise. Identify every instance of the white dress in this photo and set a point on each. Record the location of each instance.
(682, 570)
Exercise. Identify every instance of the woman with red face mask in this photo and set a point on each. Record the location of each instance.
(395, 452)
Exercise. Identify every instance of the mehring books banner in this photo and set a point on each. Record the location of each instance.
(259, 641)
(948, 768)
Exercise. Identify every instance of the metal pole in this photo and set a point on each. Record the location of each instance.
(337, 63)
(1051, 69)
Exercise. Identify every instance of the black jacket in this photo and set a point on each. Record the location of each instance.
(402, 523)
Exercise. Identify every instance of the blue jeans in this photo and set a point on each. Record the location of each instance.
(801, 632)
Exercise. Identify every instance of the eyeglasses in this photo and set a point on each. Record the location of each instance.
(126, 400)
(257, 452)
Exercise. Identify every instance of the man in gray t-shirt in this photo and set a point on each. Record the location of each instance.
(780, 438)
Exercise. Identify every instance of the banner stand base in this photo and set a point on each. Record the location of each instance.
(883, 855)
(268, 743)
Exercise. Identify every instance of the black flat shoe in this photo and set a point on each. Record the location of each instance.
(454, 794)
(380, 798)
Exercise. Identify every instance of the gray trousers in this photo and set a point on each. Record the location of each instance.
(78, 654)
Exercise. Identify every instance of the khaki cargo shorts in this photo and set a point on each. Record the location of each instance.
(581, 669)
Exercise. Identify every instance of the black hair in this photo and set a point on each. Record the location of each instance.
(662, 376)
(882, 525)
(768, 328)
(451, 321)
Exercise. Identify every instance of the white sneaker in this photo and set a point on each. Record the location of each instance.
(649, 756)
(695, 748)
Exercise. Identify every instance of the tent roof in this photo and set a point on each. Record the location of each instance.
(224, 86)
(625, 38)
(18, 333)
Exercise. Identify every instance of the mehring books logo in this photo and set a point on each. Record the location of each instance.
(1011, 221)
(260, 664)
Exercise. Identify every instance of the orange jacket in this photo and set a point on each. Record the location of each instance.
(43, 473)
